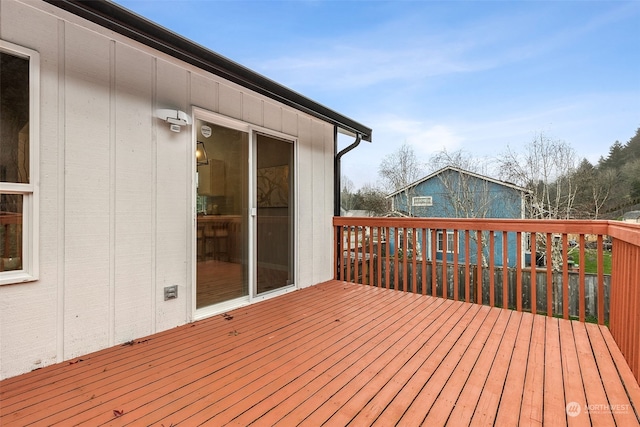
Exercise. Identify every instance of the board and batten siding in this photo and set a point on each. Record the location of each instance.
(116, 188)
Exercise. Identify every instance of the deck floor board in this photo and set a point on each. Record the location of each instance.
(341, 354)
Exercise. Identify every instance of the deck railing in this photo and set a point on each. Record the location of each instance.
(583, 270)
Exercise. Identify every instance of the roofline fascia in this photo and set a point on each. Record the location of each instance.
(476, 175)
(129, 24)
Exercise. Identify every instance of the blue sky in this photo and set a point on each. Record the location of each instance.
(476, 76)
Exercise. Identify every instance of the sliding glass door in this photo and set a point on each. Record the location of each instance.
(275, 213)
(222, 271)
(245, 214)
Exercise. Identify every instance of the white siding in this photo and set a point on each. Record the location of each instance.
(87, 191)
(116, 189)
(133, 173)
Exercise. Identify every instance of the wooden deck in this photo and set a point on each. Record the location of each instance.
(342, 354)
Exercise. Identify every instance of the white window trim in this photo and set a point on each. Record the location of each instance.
(449, 247)
(29, 191)
(422, 201)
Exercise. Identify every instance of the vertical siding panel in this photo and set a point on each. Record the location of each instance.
(28, 312)
(305, 202)
(321, 221)
(252, 109)
(87, 192)
(290, 123)
(327, 212)
(204, 92)
(171, 198)
(112, 186)
(230, 101)
(133, 194)
(60, 190)
(272, 116)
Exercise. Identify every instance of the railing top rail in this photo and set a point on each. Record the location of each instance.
(625, 231)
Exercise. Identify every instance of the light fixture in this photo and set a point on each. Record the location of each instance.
(201, 154)
(175, 118)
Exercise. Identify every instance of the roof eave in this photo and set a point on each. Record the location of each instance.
(123, 21)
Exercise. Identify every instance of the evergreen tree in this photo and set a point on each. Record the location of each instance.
(616, 157)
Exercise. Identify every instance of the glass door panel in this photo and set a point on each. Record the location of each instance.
(275, 208)
(222, 214)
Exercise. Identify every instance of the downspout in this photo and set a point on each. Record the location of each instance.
(337, 193)
(336, 171)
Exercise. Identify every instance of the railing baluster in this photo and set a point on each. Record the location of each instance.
(601, 280)
(505, 270)
(371, 268)
(337, 237)
(565, 277)
(467, 266)
(581, 278)
(387, 257)
(396, 264)
(479, 263)
(424, 261)
(631, 309)
(456, 281)
(378, 257)
(549, 265)
(434, 256)
(414, 255)
(445, 275)
(519, 271)
(356, 269)
(534, 273)
(405, 256)
(348, 262)
(492, 270)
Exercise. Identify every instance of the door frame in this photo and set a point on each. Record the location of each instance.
(198, 113)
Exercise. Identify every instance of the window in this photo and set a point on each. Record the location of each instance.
(19, 124)
(422, 201)
(450, 241)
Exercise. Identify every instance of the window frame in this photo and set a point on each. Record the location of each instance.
(30, 190)
(451, 243)
(422, 201)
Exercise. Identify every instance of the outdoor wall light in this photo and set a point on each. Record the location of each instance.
(201, 155)
(175, 118)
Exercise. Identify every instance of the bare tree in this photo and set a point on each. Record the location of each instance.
(601, 187)
(398, 170)
(347, 198)
(546, 167)
(372, 199)
(468, 191)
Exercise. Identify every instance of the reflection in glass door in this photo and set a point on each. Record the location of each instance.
(222, 214)
(275, 209)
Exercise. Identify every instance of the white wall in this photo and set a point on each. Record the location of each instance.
(116, 189)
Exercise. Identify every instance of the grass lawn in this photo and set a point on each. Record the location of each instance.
(590, 264)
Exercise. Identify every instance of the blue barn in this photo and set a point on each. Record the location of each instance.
(452, 192)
